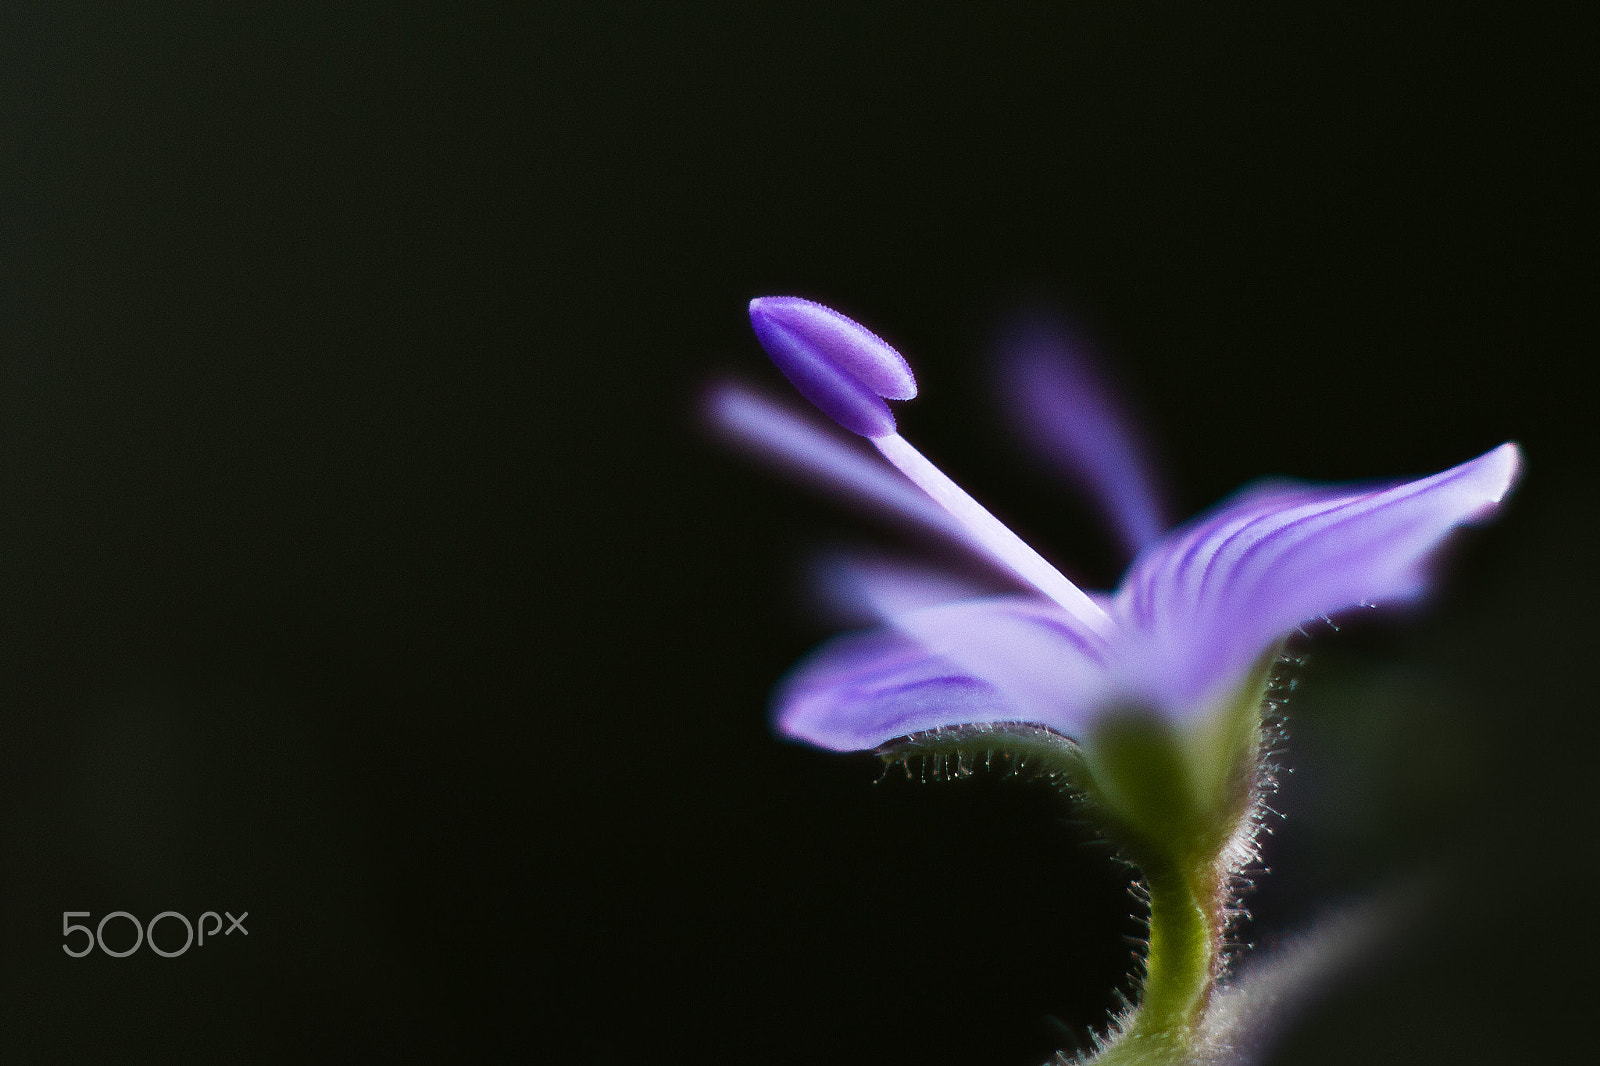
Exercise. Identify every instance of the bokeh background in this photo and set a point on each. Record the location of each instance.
(363, 567)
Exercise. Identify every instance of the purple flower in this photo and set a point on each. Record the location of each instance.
(1182, 636)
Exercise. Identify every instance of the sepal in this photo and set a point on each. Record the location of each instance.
(1176, 795)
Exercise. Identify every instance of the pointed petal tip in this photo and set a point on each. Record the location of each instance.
(812, 719)
(860, 690)
(798, 729)
(1505, 462)
(842, 367)
(1280, 554)
(1488, 479)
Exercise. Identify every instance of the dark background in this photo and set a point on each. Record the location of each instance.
(362, 566)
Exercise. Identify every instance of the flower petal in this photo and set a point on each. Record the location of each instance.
(998, 659)
(824, 457)
(1204, 604)
(1071, 414)
(862, 690)
(859, 589)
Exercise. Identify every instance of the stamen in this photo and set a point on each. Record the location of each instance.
(993, 535)
(835, 362)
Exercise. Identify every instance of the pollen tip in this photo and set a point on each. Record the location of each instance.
(838, 364)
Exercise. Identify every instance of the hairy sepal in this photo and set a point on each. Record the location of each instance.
(1176, 794)
(953, 751)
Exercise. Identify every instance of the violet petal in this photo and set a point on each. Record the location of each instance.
(859, 589)
(1070, 413)
(1205, 603)
(862, 690)
(820, 455)
(997, 659)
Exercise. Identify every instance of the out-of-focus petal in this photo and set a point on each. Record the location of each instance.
(862, 690)
(999, 659)
(858, 589)
(813, 452)
(1204, 604)
(1069, 413)
(823, 457)
(1047, 663)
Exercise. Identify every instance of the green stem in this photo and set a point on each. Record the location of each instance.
(1185, 934)
(1183, 953)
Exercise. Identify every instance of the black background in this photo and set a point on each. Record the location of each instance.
(362, 565)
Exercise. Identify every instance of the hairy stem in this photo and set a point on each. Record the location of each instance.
(1186, 923)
